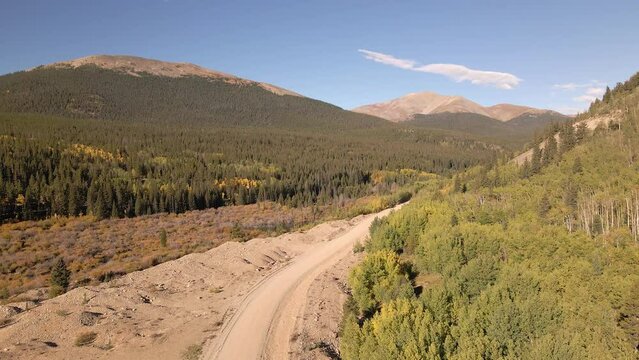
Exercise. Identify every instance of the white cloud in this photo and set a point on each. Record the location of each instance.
(388, 59)
(588, 92)
(591, 94)
(568, 86)
(568, 110)
(458, 73)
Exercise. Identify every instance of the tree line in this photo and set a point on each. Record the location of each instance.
(66, 167)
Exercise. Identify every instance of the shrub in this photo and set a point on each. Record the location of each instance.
(358, 247)
(192, 352)
(4, 293)
(237, 233)
(56, 290)
(85, 338)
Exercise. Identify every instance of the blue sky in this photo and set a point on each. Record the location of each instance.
(553, 54)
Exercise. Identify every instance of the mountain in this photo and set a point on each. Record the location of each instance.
(139, 66)
(137, 89)
(512, 134)
(403, 108)
(121, 136)
(508, 125)
(426, 103)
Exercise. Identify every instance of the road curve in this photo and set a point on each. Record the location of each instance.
(263, 324)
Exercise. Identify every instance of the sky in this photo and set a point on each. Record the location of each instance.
(551, 54)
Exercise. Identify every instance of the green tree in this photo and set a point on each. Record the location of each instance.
(163, 237)
(379, 278)
(60, 276)
(550, 151)
(607, 95)
(544, 206)
(535, 163)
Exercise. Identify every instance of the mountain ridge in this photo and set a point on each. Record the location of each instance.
(129, 88)
(405, 108)
(137, 65)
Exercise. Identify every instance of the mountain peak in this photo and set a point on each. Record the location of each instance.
(427, 102)
(136, 66)
(424, 103)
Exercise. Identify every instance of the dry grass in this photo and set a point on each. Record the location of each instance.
(98, 251)
(192, 352)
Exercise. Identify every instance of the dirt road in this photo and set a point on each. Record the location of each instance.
(264, 322)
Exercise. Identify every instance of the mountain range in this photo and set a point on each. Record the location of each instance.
(507, 124)
(131, 88)
(405, 108)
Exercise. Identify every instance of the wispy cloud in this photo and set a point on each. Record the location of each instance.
(584, 93)
(574, 86)
(590, 91)
(388, 59)
(568, 110)
(458, 73)
(591, 94)
(568, 86)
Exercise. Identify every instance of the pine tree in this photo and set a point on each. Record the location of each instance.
(571, 196)
(607, 95)
(139, 205)
(580, 133)
(60, 276)
(544, 206)
(525, 170)
(163, 237)
(567, 138)
(550, 150)
(535, 163)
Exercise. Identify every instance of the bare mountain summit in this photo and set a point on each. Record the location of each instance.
(136, 66)
(426, 103)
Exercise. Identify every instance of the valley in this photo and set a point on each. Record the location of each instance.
(159, 209)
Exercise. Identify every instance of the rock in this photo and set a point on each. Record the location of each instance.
(88, 318)
(8, 311)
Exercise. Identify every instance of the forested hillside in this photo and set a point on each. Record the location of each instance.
(534, 262)
(57, 166)
(92, 92)
(512, 134)
(81, 138)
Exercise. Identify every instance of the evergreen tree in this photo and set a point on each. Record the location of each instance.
(571, 196)
(535, 163)
(163, 237)
(607, 95)
(567, 137)
(544, 206)
(60, 277)
(550, 151)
